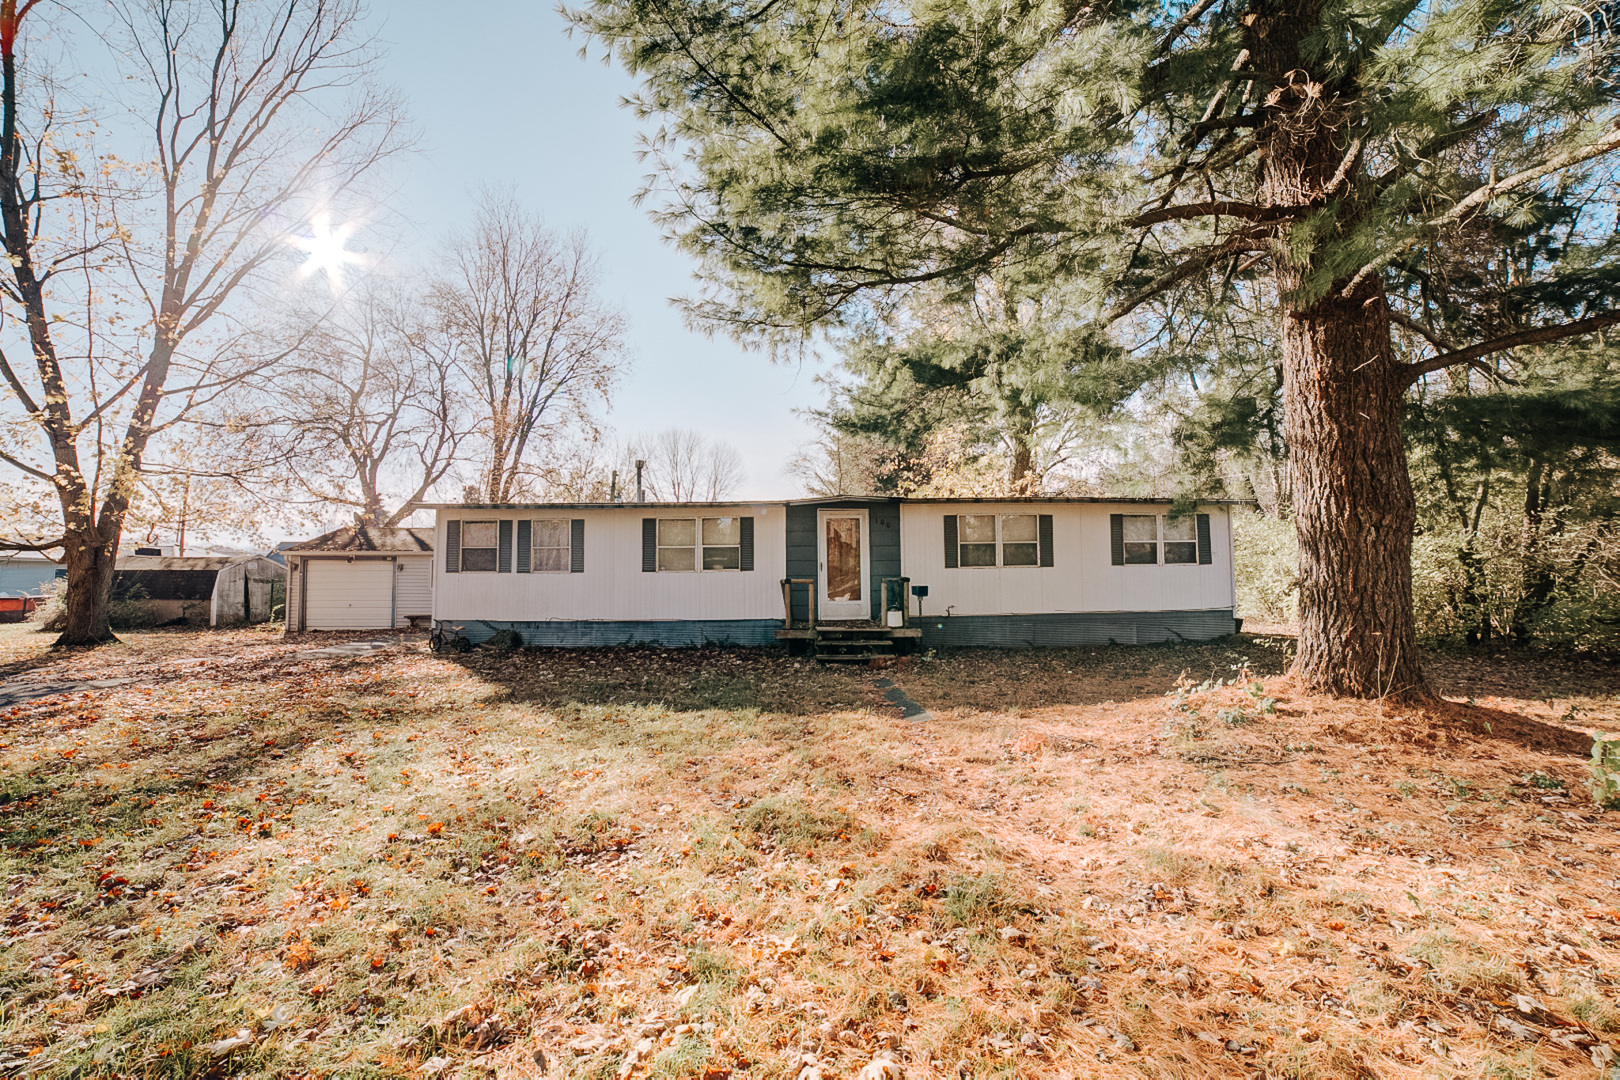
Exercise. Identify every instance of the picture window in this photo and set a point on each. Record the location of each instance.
(1156, 539)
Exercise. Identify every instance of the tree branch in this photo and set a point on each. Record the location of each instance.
(1219, 208)
(1540, 336)
(1482, 195)
(1200, 260)
(43, 545)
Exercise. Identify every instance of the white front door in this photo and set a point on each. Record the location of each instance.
(842, 559)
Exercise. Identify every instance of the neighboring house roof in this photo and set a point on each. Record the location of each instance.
(356, 538)
(214, 563)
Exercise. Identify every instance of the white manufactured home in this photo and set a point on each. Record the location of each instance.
(841, 574)
(360, 577)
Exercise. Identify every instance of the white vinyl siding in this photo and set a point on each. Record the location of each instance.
(413, 584)
(612, 585)
(1082, 577)
(345, 595)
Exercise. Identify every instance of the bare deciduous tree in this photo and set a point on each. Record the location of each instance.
(242, 109)
(687, 466)
(535, 341)
(370, 413)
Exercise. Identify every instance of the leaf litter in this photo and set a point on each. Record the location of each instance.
(717, 863)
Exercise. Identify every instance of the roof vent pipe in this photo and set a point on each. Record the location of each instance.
(641, 492)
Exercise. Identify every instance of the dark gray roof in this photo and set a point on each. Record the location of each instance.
(211, 563)
(830, 500)
(369, 538)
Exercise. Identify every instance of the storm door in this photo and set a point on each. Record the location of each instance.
(843, 558)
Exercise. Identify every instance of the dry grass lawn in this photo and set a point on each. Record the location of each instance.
(1154, 862)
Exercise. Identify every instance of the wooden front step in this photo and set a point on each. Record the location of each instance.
(852, 643)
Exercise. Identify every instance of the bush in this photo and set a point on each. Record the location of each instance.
(1265, 562)
(1606, 771)
(136, 611)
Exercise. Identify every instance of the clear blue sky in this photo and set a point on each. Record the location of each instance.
(500, 97)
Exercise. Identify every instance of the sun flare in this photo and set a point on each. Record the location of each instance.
(327, 247)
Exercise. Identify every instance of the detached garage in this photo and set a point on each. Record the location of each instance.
(360, 578)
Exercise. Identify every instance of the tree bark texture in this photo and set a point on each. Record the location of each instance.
(1343, 393)
(1352, 500)
(91, 560)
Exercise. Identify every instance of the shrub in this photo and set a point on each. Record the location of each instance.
(1265, 561)
(1606, 771)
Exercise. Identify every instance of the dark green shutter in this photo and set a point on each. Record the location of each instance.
(1205, 554)
(1046, 539)
(745, 530)
(649, 545)
(452, 547)
(524, 543)
(952, 553)
(503, 563)
(1116, 534)
(576, 546)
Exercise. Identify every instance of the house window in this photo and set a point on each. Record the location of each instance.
(1180, 540)
(722, 543)
(677, 542)
(998, 540)
(550, 549)
(700, 543)
(1155, 539)
(480, 542)
(1141, 539)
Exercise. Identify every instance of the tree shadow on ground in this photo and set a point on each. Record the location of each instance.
(768, 679)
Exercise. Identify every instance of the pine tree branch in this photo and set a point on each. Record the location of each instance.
(1439, 144)
(1540, 336)
(1479, 197)
(1181, 25)
(1219, 208)
(1422, 331)
(1200, 260)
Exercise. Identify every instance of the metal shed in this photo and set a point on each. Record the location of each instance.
(216, 589)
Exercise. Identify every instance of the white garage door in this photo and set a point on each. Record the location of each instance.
(345, 595)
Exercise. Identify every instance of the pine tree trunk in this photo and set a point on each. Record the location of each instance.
(91, 560)
(1343, 392)
(1352, 499)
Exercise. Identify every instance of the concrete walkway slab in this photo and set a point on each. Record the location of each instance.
(909, 709)
(348, 648)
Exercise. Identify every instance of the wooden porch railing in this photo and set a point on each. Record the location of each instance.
(788, 621)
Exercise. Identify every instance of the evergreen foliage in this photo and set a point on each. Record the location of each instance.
(1321, 161)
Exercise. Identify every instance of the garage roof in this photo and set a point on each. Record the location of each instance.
(369, 538)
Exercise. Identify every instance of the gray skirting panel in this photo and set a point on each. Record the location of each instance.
(993, 631)
(1077, 628)
(595, 633)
